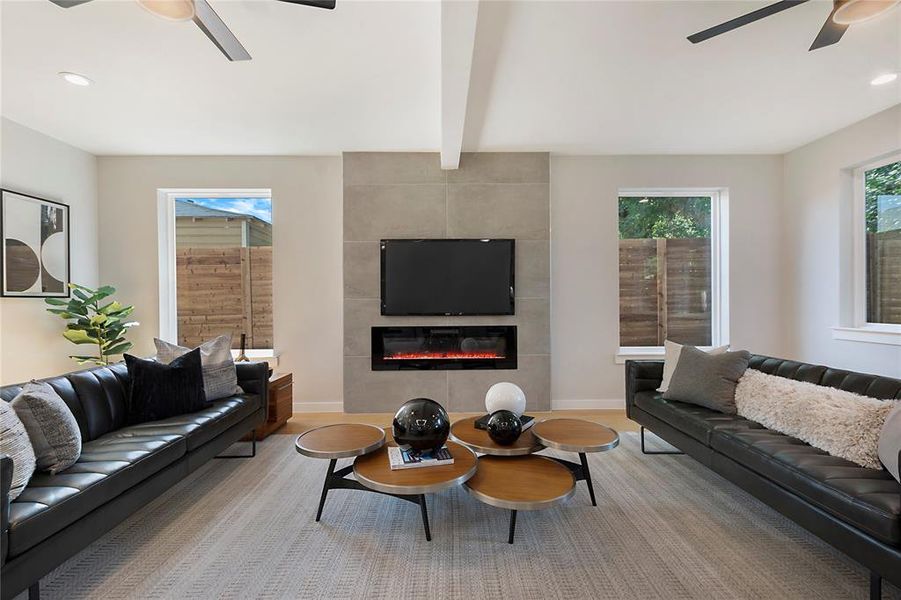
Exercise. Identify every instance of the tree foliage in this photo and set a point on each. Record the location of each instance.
(882, 181)
(663, 217)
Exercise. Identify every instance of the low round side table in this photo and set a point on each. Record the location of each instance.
(374, 471)
(346, 440)
(521, 483)
(465, 432)
(576, 435)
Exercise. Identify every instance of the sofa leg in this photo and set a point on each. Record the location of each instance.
(34, 591)
(253, 448)
(644, 451)
(875, 586)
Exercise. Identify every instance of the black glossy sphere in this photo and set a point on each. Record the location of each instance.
(504, 427)
(421, 423)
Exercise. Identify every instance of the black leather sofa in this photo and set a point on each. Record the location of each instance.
(121, 468)
(855, 509)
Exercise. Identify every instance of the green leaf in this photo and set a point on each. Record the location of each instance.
(86, 359)
(119, 349)
(81, 295)
(62, 312)
(110, 308)
(79, 336)
(130, 324)
(56, 301)
(75, 286)
(98, 320)
(106, 290)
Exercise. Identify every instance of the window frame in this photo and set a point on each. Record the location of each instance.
(860, 329)
(168, 291)
(719, 266)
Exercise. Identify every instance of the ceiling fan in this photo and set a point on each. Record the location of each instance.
(204, 17)
(844, 14)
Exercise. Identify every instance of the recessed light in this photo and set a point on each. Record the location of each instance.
(75, 78)
(884, 78)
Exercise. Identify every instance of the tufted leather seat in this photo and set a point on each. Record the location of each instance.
(113, 463)
(696, 421)
(869, 499)
(107, 467)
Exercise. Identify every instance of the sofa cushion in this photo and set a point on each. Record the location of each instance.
(107, 467)
(693, 420)
(203, 425)
(865, 498)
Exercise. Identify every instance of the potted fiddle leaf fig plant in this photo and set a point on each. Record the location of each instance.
(91, 319)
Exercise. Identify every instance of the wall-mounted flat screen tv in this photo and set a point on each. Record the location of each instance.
(447, 277)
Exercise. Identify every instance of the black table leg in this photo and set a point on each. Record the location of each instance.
(512, 526)
(326, 485)
(425, 518)
(587, 474)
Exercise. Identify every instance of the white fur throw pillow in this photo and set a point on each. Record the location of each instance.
(842, 423)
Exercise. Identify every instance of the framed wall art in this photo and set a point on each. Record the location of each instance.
(35, 249)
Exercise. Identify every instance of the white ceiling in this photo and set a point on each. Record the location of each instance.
(571, 77)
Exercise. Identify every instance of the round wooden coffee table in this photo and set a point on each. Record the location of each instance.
(521, 483)
(477, 440)
(374, 471)
(576, 435)
(344, 440)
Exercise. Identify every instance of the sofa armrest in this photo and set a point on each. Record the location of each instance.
(6, 481)
(641, 376)
(253, 377)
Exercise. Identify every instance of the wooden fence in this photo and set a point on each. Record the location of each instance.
(664, 291)
(224, 290)
(884, 277)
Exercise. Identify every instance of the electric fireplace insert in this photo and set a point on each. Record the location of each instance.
(444, 347)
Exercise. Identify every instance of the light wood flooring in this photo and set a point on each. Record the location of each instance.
(301, 422)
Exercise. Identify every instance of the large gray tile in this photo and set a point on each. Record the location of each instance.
(519, 211)
(374, 212)
(467, 389)
(502, 167)
(533, 269)
(392, 167)
(366, 390)
(361, 270)
(362, 314)
(532, 320)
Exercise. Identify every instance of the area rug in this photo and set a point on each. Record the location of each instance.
(664, 527)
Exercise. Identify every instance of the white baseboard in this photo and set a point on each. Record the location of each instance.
(589, 404)
(316, 407)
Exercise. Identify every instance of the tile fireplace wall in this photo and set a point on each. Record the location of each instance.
(407, 195)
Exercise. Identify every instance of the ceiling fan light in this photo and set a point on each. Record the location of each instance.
(171, 10)
(858, 11)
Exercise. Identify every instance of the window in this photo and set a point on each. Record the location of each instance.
(876, 271)
(671, 269)
(882, 214)
(217, 266)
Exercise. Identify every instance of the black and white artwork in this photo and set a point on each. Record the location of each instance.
(35, 249)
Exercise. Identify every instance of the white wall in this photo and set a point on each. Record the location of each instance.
(817, 239)
(585, 260)
(307, 288)
(31, 344)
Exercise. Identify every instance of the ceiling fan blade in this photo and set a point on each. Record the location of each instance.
(327, 4)
(69, 3)
(215, 29)
(831, 32)
(760, 13)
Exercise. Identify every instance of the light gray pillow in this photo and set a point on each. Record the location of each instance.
(707, 380)
(51, 426)
(890, 441)
(220, 378)
(14, 442)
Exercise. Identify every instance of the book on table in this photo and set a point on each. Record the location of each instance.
(405, 457)
(525, 420)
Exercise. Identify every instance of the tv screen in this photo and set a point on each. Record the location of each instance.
(447, 277)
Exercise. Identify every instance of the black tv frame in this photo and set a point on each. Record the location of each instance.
(448, 241)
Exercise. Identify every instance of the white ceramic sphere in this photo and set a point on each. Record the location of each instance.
(505, 396)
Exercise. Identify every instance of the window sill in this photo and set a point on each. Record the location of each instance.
(650, 353)
(260, 354)
(873, 334)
